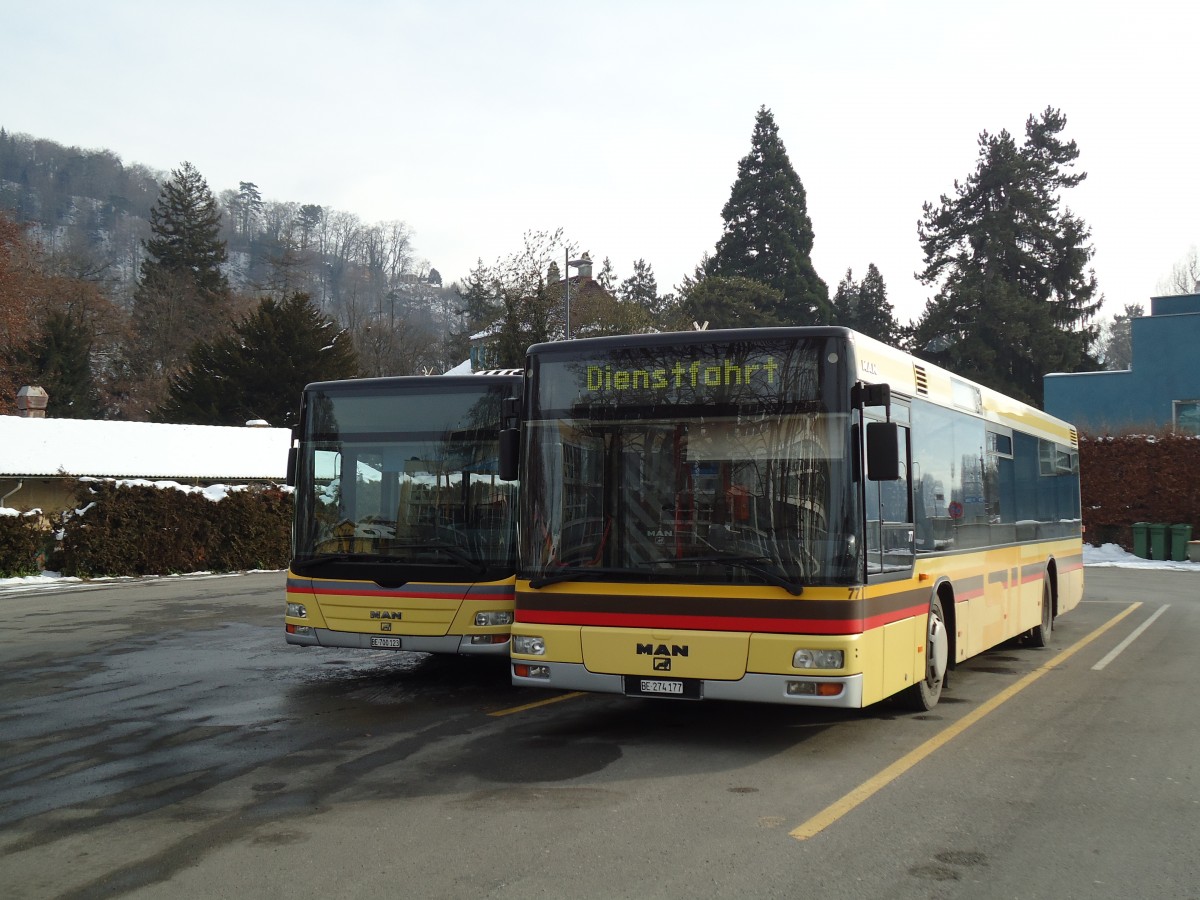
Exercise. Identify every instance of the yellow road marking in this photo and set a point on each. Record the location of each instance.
(536, 704)
(836, 810)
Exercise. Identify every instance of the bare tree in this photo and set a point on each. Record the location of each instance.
(1185, 275)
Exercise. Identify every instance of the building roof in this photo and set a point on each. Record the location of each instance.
(104, 449)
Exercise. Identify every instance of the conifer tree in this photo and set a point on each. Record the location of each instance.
(728, 302)
(865, 307)
(641, 287)
(1116, 338)
(1015, 298)
(247, 208)
(768, 235)
(183, 294)
(259, 370)
(59, 360)
(607, 276)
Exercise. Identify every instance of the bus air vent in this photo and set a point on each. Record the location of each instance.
(1074, 438)
(921, 379)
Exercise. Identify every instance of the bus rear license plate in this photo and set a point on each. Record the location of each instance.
(389, 643)
(661, 686)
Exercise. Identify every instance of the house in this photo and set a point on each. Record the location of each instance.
(1161, 388)
(39, 457)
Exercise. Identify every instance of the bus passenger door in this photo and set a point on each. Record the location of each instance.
(890, 549)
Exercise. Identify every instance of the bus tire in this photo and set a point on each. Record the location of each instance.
(1040, 636)
(924, 695)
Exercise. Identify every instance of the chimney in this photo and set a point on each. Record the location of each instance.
(31, 402)
(585, 266)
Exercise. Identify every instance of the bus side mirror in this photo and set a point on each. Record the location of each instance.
(290, 479)
(510, 451)
(883, 451)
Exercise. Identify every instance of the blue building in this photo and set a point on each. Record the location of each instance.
(1160, 388)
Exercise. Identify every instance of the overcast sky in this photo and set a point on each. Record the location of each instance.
(623, 122)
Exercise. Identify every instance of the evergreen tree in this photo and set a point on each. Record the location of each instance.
(845, 301)
(247, 208)
(607, 277)
(183, 293)
(478, 309)
(1116, 338)
(59, 360)
(1014, 300)
(728, 302)
(531, 315)
(641, 287)
(185, 226)
(308, 222)
(480, 303)
(259, 370)
(865, 307)
(768, 235)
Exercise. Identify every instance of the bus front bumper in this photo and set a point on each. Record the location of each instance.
(753, 687)
(455, 644)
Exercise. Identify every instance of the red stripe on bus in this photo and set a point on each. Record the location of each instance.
(716, 623)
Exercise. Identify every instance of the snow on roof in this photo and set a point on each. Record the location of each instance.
(104, 449)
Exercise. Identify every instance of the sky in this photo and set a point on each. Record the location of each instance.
(623, 122)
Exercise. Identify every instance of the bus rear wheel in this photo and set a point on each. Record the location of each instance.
(1041, 632)
(925, 694)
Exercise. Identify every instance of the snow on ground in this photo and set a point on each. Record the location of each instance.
(1108, 555)
(1113, 555)
(53, 580)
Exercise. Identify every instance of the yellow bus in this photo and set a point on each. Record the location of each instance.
(405, 533)
(783, 515)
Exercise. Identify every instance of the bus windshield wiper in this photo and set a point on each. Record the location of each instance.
(385, 558)
(571, 573)
(752, 563)
(344, 556)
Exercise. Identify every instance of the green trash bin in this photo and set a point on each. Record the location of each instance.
(1158, 540)
(1141, 539)
(1180, 536)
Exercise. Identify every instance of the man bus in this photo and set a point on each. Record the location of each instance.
(405, 533)
(785, 515)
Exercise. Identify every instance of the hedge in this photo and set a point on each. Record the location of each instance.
(25, 539)
(1138, 478)
(123, 528)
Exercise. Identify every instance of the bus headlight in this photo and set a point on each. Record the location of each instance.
(818, 659)
(297, 611)
(494, 617)
(528, 645)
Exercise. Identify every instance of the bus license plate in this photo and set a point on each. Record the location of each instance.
(661, 686)
(390, 643)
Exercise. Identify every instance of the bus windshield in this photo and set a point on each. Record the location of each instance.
(405, 476)
(701, 463)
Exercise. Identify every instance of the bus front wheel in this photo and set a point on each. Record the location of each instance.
(925, 694)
